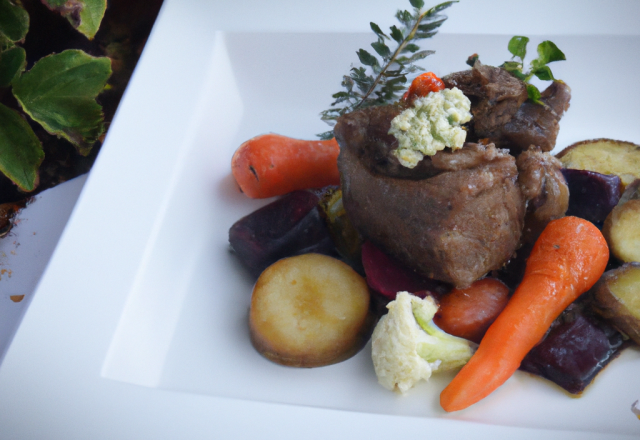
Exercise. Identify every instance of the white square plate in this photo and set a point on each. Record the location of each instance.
(139, 327)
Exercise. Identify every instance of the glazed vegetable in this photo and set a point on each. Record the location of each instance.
(592, 195)
(605, 156)
(567, 259)
(576, 349)
(622, 226)
(616, 297)
(346, 238)
(422, 85)
(308, 311)
(271, 165)
(388, 277)
(468, 313)
(289, 226)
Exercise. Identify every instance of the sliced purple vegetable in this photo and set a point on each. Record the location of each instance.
(388, 277)
(290, 226)
(574, 351)
(592, 195)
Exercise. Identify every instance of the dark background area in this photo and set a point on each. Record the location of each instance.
(123, 33)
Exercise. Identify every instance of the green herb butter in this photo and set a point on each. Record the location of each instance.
(433, 123)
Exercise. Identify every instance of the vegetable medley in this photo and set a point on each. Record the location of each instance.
(433, 221)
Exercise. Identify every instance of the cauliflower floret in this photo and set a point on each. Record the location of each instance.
(433, 123)
(407, 347)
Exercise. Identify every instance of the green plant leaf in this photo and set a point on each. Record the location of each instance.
(375, 28)
(84, 15)
(366, 58)
(411, 48)
(59, 93)
(518, 46)
(14, 21)
(12, 63)
(533, 93)
(417, 3)
(544, 73)
(549, 52)
(20, 150)
(396, 34)
(381, 48)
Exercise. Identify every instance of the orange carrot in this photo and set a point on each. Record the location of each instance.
(568, 258)
(422, 85)
(468, 313)
(271, 165)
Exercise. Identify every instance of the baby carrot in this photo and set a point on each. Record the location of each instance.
(271, 165)
(568, 258)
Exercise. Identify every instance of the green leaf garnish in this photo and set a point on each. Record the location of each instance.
(375, 28)
(84, 15)
(14, 22)
(59, 92)
(518, 46)
(20, 150)
(544, 73)
(12, 63)
(547, 52)
(533, 93)
(386, 83)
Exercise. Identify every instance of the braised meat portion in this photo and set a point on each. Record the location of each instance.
(501, 112)
(535, 124)
(543, 185)
(461, 221)
(495, 96)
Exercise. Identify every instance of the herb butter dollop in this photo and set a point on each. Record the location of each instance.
(431, 124)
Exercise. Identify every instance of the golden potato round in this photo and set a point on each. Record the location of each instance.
(604, 156)
(310, 310)
(621, 228)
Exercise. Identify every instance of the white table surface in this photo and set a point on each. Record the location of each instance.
(42, 393)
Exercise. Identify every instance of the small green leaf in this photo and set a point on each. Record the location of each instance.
(381, 48)
(417, 3)
(84, 15)
(411, 48)
(366, 58)
(375, 28)
(533, 93)
(421, 55)
(518, 46)
(59, 93)
(396, 34)
(438, 8)
(12, 63)
(20, 150)
(14, 21)
(432, 25)
(544, 73)
(549, 52)
(404, 17)
(419, 35)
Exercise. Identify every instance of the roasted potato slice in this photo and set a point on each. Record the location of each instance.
(604, 156)
(310, 310)
(622, 226)
(617, 299)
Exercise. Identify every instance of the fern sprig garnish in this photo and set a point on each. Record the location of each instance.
(362, 89)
